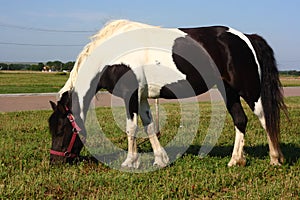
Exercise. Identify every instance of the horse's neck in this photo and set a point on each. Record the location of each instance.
(110, 30)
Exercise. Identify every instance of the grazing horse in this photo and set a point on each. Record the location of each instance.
(240, 65)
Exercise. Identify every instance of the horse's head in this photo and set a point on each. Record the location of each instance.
(66, 144)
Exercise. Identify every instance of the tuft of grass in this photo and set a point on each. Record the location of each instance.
(25, 172)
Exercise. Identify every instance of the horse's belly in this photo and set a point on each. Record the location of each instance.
(160, 76)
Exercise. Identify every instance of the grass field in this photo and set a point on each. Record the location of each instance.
(25, 172)
(31, 82)
(38, 82)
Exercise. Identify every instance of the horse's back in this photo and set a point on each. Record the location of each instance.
(233, 55)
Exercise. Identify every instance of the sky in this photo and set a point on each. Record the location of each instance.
(41, 31)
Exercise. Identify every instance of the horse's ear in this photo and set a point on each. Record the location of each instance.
(66, 99)
(53, 105)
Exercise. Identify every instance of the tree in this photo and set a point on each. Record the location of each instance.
(41, 65)
(4, 66)
(55, 65)
(68, 66)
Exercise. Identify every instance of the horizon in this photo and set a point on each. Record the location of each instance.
(59, 30)
(35, 63)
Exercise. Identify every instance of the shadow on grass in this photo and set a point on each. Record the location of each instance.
(290, 151)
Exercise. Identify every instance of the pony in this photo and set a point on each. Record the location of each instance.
(197, 59)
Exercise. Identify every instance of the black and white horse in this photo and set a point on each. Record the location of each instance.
(192, 62)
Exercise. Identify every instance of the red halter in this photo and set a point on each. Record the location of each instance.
(75, 130)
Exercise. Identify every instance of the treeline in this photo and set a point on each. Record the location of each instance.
(290, 73)
(68, 66)
(48, 66)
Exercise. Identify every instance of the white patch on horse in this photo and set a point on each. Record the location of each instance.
(247, 41)
(161, 157)
(137, 57)
(97, 56)
(259, 112)
(275, 153)
(132, 160)
(149, 64)
(110, 29)
(238, 157)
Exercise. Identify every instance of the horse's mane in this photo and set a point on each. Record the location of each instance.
(109, 30)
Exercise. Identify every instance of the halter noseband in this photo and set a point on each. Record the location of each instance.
(75, 130)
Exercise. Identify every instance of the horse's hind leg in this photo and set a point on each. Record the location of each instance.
(276, 155)
(237, 113)
(132, 160)
(161, 157)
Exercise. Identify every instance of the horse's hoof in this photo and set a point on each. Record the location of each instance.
(131, 162)
(161, 158)
(130, 165)
(277, 161)
(237, 162)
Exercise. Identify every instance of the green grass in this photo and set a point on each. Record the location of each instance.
(38, 82)
(25, 172)
(31, 82)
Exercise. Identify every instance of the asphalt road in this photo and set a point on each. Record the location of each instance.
(22, 102)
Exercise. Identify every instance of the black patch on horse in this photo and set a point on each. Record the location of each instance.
(121, 81)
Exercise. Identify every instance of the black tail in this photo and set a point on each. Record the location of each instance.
(271, 88)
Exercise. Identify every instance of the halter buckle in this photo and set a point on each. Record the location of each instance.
(67, 154)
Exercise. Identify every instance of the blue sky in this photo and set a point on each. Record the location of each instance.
(37, 31)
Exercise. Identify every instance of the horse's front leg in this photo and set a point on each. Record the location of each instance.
(132, 160)
(161, 157)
